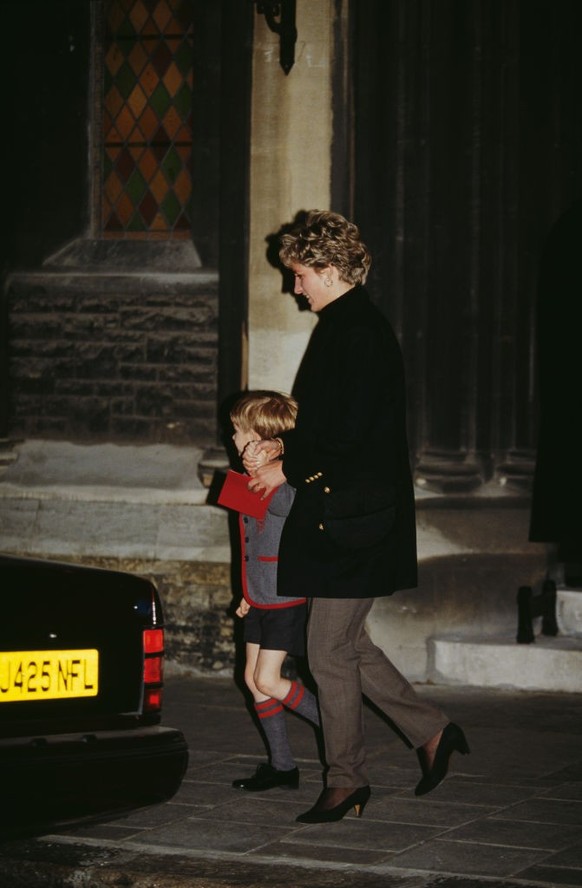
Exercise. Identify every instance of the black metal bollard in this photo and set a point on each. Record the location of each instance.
(530, 606)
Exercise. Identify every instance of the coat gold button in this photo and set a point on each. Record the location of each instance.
(321, 527)
(327, 489)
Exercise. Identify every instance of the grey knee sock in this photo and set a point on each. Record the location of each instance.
(303, 702)
(272, 718)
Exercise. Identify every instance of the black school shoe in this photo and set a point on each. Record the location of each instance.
(266, 777)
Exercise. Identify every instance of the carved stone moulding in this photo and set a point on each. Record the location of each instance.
(449, 472)
(516, 470)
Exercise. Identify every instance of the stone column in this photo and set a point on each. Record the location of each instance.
(291, 139)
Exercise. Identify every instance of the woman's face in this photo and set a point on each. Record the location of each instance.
(310, 282)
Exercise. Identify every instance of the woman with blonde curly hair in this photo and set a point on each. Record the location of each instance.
(350, 535)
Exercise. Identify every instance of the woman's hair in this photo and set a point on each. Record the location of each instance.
(266, 413)
(323, 238)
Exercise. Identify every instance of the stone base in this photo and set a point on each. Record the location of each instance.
(109, 500)
(548, 664)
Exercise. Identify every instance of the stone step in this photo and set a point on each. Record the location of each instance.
(56, 526)
(547, 664)
(115, 501)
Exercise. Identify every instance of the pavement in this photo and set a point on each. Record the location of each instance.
(509, 814)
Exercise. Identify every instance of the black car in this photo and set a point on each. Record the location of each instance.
(81, 684)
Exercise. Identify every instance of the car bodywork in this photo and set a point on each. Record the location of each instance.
(81, 684)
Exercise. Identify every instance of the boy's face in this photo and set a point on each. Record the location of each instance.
(241, 439)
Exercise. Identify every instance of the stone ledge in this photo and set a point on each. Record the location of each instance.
(162, 531)
(548, 664)
(146, 501)
(126, 254)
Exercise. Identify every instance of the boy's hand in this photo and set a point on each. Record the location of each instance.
(243, 608)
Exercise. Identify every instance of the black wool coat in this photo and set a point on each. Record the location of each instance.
(351, 530)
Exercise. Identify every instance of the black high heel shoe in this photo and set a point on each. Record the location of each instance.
(452, 740)
(323, 813)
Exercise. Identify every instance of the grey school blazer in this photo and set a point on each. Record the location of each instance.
(260, 552)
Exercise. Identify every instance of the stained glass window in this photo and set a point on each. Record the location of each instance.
(147, 118)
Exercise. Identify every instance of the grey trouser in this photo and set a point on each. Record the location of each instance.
(346, 664)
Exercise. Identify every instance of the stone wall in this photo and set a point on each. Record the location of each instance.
(116, 357)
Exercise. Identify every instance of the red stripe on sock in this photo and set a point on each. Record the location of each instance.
(268, 708)
(295, 695)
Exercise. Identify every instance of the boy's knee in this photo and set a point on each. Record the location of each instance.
(263, 686)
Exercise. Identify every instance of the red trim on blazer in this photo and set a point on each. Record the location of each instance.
(244, 563)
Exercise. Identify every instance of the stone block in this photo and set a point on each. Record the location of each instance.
(549, 664)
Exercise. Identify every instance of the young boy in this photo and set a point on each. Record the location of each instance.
(274, 626)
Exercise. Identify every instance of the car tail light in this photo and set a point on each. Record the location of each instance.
(153, 669)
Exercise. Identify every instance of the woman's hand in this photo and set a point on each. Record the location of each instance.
(267, 478)
(243, 608)
(258, 453)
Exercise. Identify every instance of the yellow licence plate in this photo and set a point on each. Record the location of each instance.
(47, 675)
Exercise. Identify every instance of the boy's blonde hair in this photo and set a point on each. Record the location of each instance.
(264, 412)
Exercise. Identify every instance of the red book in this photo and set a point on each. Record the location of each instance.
(236, 495)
